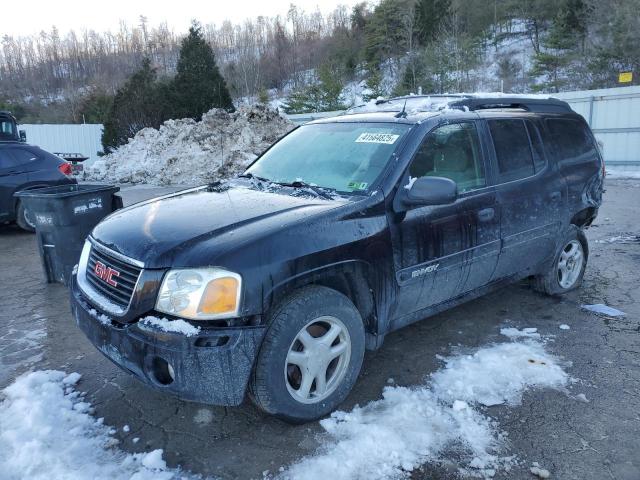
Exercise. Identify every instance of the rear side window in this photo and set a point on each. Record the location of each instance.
(572, 140)
(14, 157)
(513, 151)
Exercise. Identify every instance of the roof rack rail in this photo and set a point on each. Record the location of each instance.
(530, 104)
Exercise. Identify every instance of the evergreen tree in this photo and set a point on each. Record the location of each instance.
(560, 47)
(139, 103)
(429, 16)
(373, 83)
(617, 27)
(385, 31)
(95, 107)
(263, 96)
(198, 85)
(322, 95)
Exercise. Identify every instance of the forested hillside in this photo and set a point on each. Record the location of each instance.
(314, 61)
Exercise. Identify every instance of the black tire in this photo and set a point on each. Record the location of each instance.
(269, 387)
(549, 283)
(22, 220)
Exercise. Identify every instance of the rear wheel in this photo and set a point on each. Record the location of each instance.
(23, 218)
(311, 355)
(568, 267)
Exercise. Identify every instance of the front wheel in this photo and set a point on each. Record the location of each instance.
(311, 355)
(568, 267)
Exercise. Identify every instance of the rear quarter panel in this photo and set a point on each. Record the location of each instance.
(583, 172)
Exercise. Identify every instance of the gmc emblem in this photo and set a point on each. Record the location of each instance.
(106, 274)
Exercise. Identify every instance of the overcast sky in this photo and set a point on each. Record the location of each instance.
(31, 16)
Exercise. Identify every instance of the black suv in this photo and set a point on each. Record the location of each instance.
(346, 229)
(24, 167)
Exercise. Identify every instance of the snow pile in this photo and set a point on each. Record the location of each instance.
(174, 326)
(47, 432)
(409, 427)
(190, 153)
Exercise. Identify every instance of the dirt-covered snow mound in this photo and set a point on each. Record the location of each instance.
(189, 152)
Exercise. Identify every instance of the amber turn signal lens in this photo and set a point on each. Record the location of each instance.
(220, 296)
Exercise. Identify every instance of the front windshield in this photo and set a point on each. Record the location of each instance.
(346, 157)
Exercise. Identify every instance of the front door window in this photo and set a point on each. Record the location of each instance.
(451, 151)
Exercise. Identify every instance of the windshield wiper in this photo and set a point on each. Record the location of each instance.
(251, 175)
(320, 191)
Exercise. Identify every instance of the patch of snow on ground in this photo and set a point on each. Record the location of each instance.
(581, 397)
(624, 238)
(512, 332)
(617, 172)
(186, 152)
(603, 309)
(47, 433)
(409, 427)
(564, 326)
(538, 471)
(173, 326)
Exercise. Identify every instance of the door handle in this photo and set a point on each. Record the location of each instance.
(486, 214)
(556, 196)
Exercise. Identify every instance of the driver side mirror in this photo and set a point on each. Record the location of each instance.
(430, 191)
(23, 136)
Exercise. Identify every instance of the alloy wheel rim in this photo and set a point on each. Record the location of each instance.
(317, 360)
(570, 264)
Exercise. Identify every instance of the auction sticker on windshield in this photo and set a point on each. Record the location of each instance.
(388, 138)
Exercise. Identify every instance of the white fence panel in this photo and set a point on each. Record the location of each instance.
(66, 138)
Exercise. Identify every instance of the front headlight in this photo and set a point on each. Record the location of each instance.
(200, 293)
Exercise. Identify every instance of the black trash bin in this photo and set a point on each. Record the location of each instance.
(64, 216)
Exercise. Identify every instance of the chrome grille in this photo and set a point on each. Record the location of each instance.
(121, 293)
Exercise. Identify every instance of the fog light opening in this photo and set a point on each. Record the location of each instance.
(162, 371)
(212, 341)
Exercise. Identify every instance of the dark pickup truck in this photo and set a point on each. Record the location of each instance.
(275, 283)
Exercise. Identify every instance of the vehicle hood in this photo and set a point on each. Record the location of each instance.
(165, 232)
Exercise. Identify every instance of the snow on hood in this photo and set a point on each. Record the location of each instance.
(186, 152)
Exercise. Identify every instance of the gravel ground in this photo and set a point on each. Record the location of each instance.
(574, 439)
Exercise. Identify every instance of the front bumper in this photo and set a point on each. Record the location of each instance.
(211, 367)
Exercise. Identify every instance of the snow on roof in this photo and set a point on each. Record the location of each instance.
(413, 104)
